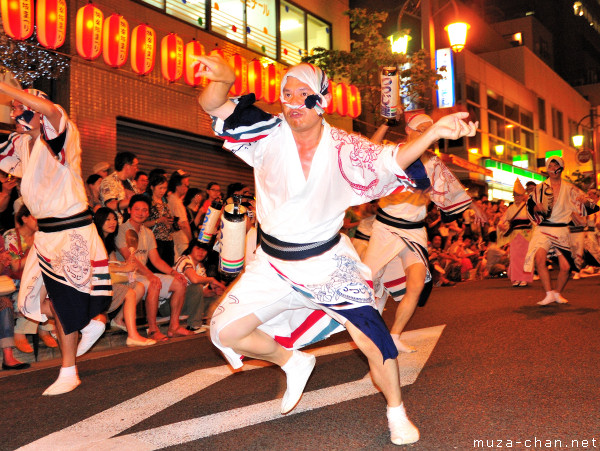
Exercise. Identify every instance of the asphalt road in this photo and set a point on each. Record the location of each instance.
(493, 370)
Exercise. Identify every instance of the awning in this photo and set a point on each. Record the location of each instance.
(448, 158)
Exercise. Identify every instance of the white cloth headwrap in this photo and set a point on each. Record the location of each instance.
(314, 77)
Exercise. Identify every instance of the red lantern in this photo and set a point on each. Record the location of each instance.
(192, 50)
(171, 55)
(89, 31)
(114, 41)
(143, 49)
(354, 105)
(255, 78)
(271, 86)
(341, 99)
(239, 67)
(17, 18)
(330, 108)
(51, 21)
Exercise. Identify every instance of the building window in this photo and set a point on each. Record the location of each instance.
(253, 24)
(557, 125)
(542, 114)
(526, 118)
(495, 102)
(193, 12)
(511, 111)
(473, 91)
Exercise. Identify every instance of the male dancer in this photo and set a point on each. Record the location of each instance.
(306, 175)
(69, 264)
(552, 231)
(397, 252)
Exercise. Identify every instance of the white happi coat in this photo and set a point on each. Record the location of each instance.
(570, 200)
(346, 170)
(387, 241)
(51, 186)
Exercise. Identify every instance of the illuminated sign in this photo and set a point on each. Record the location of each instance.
(445, 89)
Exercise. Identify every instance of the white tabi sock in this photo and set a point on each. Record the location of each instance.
(66, 382)
(89, 336)
(401, 428)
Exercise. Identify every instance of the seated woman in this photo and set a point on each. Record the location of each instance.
(161, 221)
(201, 290)
(7, 321)
(18, 242)
(124, 291)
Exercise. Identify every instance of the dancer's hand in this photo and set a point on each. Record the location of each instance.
(453, 126)
(216, 69)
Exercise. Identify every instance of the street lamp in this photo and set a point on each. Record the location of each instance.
(578, 141)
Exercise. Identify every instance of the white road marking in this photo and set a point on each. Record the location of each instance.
(98, 431)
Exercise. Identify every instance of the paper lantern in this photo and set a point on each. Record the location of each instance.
(240, 68)
(88, 31)
(271, 92)
(143, 49)
(255, 78)
(51, 21)
(354, 105)
(330, 108)
(115, 41)
(341, 99)
(17, 18)
(190, 62)
(171, 56)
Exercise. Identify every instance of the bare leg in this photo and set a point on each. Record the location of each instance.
(415, 281)
(563, 273)
(67, 343)
(177, 297)
(244, 338)
(128, 311)
(540, 265)
(152, 308)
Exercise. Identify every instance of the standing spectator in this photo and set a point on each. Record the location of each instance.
(193, 207)
(45, 152)
(101, 169)
(168, 285)
(141, 182)
(8, 196)
(179, 184)
(117, 188)
(92, 188)
(213, 192)
(161, 220)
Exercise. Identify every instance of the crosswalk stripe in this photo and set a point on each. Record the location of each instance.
(99, 431)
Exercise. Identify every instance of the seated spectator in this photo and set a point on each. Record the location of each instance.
(92, 189)
(161, 220)
(179, 183)
(201, 290)
(134, 238)
(141, 182)
(441, 263)
(118, 187)
(18, 242)
(7, 322)
(496, 258)
(126, 290)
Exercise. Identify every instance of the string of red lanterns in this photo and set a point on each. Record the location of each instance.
(110, 36)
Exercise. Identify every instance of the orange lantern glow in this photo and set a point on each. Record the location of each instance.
(143, 49)
(354, 105)
(88, 31)
(190, 62)
(271, 93)
(171, 56)
(255, 78)
(115, 40)
(239, 67)
(341, 99)
(51, 21)
(17, 18)
(330, 109)
(217, 51)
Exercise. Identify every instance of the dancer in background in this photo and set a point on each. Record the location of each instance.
(69, 262)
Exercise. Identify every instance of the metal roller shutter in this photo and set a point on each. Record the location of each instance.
(202, 157)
